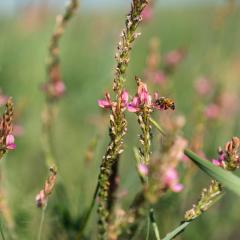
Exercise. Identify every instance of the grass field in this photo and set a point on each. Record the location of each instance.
(87, 63)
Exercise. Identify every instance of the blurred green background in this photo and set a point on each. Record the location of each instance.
(87, 63)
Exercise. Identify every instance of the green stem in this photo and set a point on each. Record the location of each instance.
(177, 231)
(159, 128)
(154, 224)
(41, 223)
(2, 234)
(148, 228)
(88, 214)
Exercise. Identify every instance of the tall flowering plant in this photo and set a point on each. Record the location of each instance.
(6, 128)
(118, 124)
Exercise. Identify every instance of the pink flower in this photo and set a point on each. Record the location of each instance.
(212, 111)
(107, 103)
(59, 88)
(229, 102)
(3, 99)
(216, 162)
(124, 98)
(174, 57)
(142, 169)
(221, 159)
(203, 86)
(142, 98)
(143, 95)
(147, 13)
(10, 145)
(134, 105)
(159, 77)
(17, 130)
(41, 199)
(177, 150)
(54, 89)
(171, 180)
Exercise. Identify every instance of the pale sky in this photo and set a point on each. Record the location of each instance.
(10, 5)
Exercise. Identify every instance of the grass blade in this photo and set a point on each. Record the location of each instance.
(157, 126)
(176, 231)
(227, 179)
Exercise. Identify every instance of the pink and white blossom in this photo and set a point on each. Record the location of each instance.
(108, 104)
(10, 145)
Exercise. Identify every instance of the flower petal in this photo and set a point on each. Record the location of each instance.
(104, 103)
(177, 187)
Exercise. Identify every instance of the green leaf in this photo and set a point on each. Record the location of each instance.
(157, 126)
(176, 231)
(226, 178)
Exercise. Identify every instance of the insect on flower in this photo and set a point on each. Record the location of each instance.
(165, 103)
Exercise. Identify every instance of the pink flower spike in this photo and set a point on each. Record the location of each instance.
(143, 169)
(105, 103)
(10, 145)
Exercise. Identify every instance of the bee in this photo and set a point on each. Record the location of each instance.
(165, 103)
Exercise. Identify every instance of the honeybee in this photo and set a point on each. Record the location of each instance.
(165, 103)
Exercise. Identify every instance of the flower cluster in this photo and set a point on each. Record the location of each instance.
(220, 103)
(144, 100)
(6, 128)
(229, 157)
(207, 198)
(42, 196)
(141, 100)
(108, 104)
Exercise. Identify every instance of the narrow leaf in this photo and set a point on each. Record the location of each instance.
(227, 179)
(157, 126)
(176, 231)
